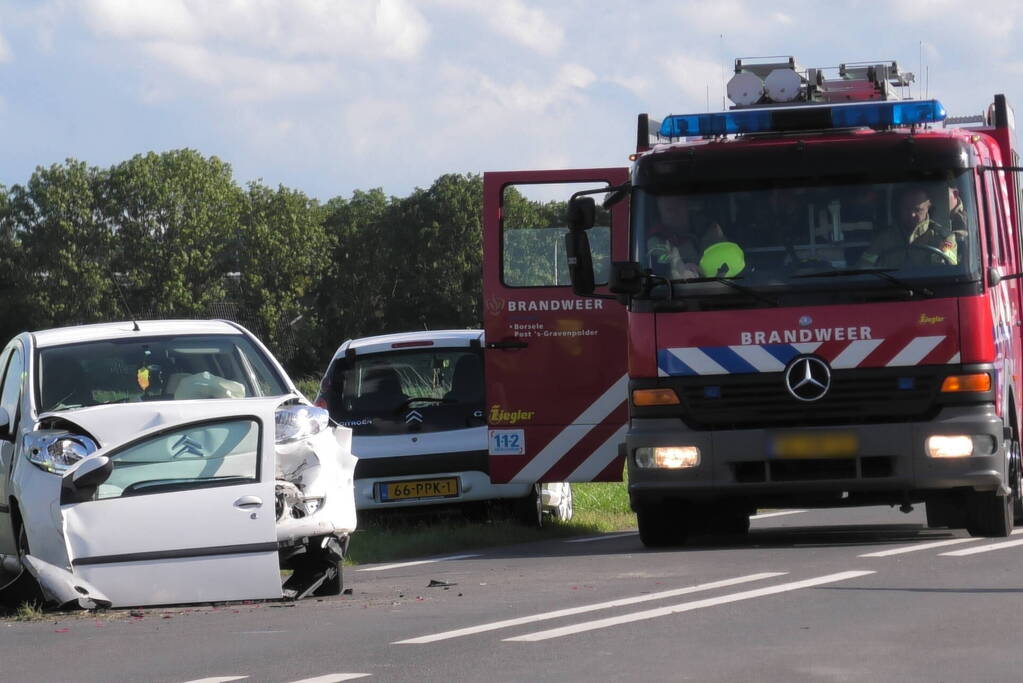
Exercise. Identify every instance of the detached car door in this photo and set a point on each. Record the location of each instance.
(555, 363)
(187, 513)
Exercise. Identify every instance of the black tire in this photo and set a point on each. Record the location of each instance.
(937, 514)
(661, 526)
(988, 514)
(528, 510)
(1016, 481)
(25, 588)
(729, 521)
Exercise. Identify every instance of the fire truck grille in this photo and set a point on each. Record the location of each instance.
(751, 401)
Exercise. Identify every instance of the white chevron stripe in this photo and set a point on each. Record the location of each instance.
(758, 357)
(915, 351)
(600, 458)
(616, 394)
(807, 347)
(700, 362)
(852, 355)
(954, 358)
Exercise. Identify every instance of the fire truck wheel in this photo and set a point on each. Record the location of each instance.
(988, 514)
(529, 509)
(1016, 481)
(661, 525)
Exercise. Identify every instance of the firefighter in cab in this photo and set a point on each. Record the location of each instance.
(915, 239)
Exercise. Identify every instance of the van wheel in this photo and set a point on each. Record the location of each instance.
(528, 510)
(988, 514)
(661, 525)
(564, 511)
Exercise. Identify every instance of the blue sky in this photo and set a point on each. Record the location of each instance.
(330, 96)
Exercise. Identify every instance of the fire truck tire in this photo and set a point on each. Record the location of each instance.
(661, 525)
(1016, 481)
(988, 514)
(528, 510)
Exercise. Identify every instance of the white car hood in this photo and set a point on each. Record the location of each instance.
(119, 422)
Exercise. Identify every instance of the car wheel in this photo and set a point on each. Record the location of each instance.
(988, 514)
(661, 525)
(528, 510)
(563, 512)
(24, 588)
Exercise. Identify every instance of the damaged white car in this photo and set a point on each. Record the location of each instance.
(165, 462)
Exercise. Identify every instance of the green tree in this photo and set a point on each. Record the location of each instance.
(282, 256)
(177, 219)
(64, 245)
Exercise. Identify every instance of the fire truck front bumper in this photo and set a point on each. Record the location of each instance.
(963, 447)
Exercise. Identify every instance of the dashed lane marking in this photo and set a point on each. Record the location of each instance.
(332, 678)
(686, 607)
(984, 548)
(605, 537)
(493, 626)
(218, 679)
(780, 513)
(917, 546)
(399, 565)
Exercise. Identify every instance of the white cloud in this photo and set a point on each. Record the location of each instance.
(5, 50)
(528, 26)
(694, 76)
(389, 29)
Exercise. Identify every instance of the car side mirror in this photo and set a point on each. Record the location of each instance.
(92, 472)
(580, 262)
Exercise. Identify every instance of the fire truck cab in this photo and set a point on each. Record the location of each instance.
(817, 297)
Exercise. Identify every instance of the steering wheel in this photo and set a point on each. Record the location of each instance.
(921, 247)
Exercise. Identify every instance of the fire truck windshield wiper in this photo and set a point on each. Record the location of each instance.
(749, 291)
(883, 273)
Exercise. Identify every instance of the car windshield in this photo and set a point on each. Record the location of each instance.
(783, 234)
(155, 369)
(414, 390)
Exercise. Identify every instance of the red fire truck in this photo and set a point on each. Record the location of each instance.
(809, 299)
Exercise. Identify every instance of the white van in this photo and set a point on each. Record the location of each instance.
(415, 403)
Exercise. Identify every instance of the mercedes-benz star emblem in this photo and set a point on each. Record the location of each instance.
(808, 378)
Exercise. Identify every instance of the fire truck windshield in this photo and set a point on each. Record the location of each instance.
(775, 235)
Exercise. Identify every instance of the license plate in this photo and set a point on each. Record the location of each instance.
(422, 488)
(816, 445)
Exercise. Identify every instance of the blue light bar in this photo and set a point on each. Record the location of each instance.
(876, 115)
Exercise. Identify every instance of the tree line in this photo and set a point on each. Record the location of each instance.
(172, 235)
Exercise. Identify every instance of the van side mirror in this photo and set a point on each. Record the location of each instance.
(582, 213)
(580, 261)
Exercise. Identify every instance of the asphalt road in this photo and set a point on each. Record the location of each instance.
(820, 595)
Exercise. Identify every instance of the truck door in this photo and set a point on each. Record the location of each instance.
(555, 363)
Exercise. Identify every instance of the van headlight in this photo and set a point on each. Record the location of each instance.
(55, 450)
(292, 423)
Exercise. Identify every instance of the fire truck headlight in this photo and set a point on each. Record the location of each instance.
(668, 457)
(950, 446)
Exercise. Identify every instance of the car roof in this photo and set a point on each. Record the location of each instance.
(388, 342)
(75, 334)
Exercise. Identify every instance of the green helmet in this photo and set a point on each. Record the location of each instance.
(724, 259)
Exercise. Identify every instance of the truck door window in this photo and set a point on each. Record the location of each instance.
(995, 224)
(533, 236)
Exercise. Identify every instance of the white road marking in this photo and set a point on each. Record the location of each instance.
(399, 565)
(765, 515)
(984, 548)
(493, 626)
(918, 546)
(332, 678)
(218, 679)
(686, 607)
(605, 537)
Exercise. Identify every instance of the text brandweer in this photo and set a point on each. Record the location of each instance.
(556, 305)
(822, 334)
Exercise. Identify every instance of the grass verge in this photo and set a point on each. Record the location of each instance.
(599, 508)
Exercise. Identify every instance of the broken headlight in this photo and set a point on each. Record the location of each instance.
(56, 450)
(299, 422)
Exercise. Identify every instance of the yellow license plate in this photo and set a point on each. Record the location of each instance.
(422, 488)
(817, 445)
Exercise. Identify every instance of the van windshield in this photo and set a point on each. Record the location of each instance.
(416, 390)
(779, 234)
